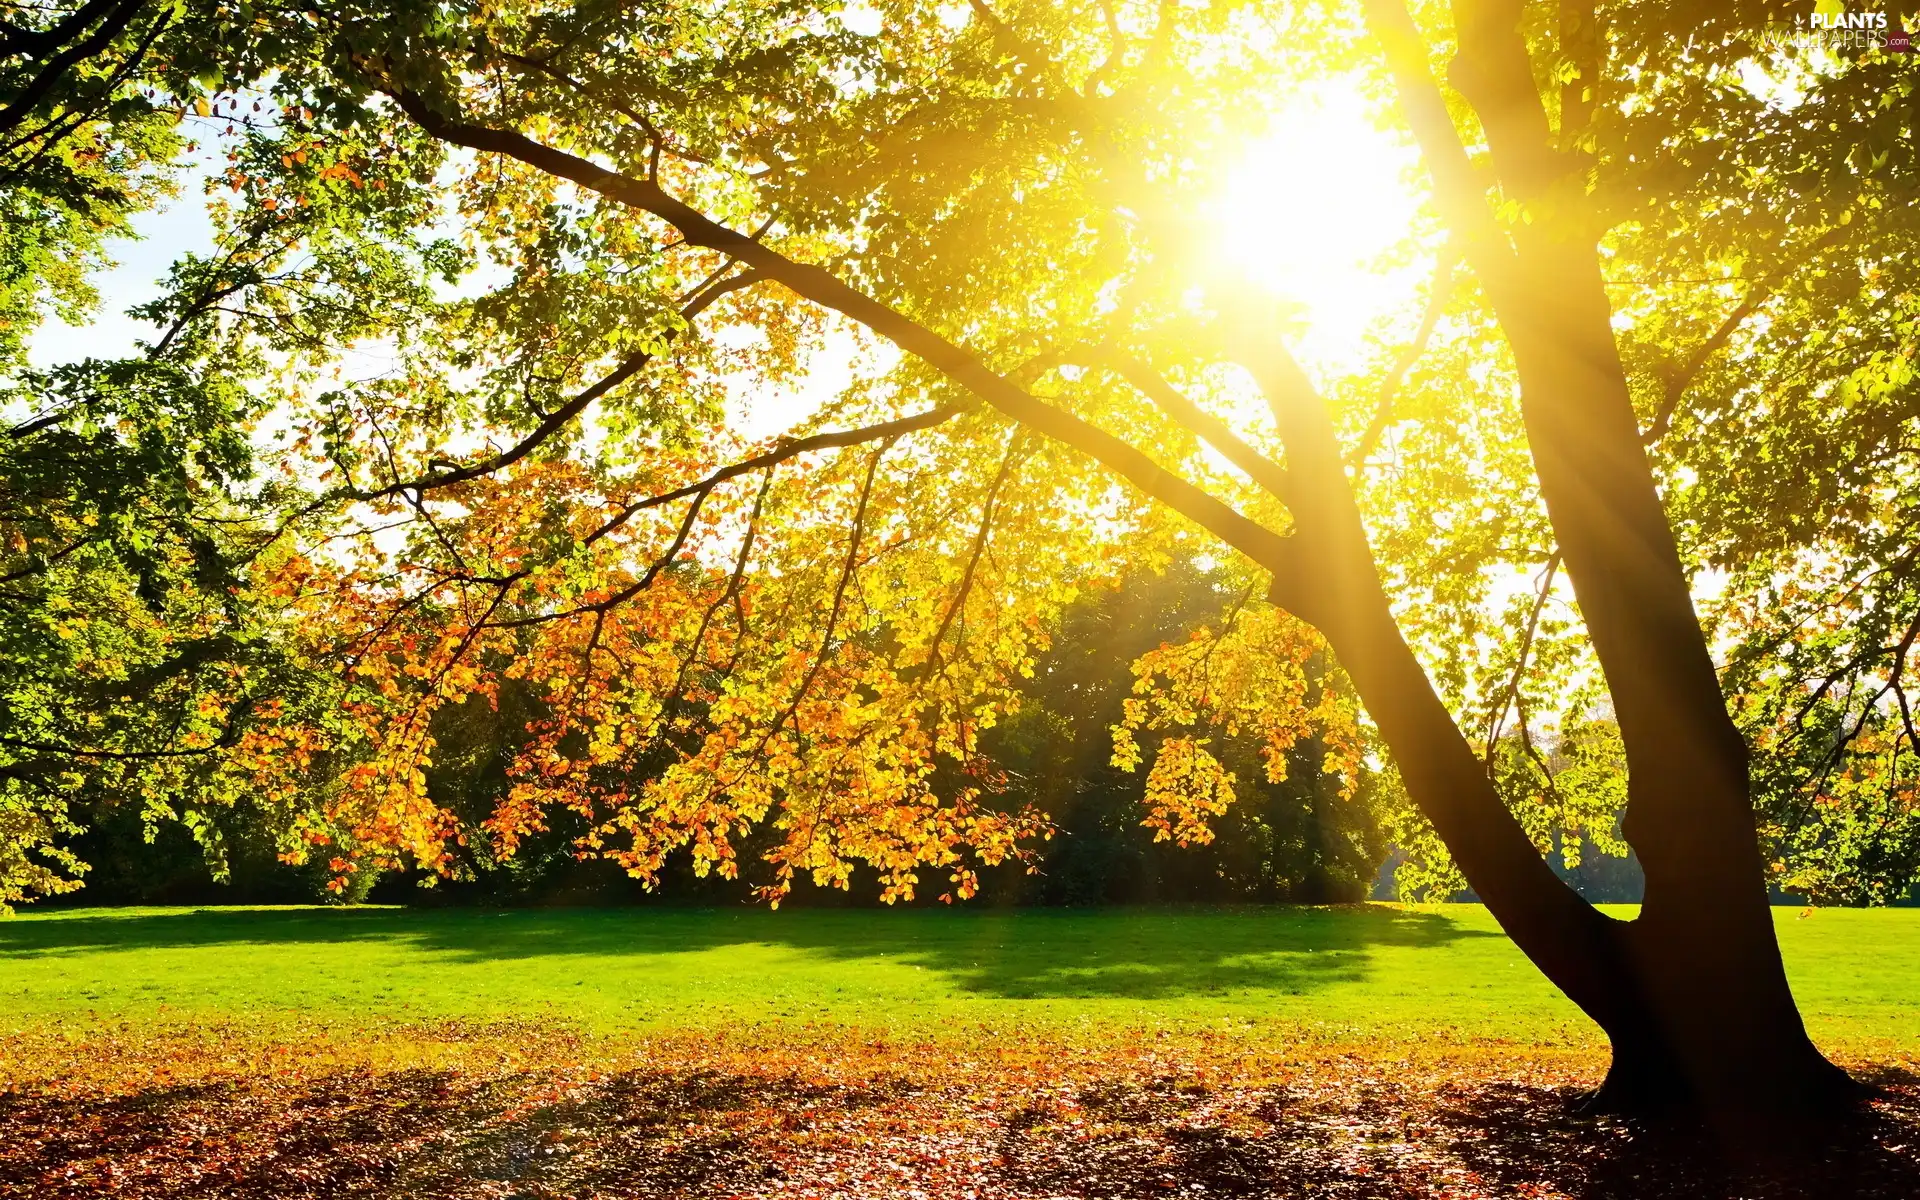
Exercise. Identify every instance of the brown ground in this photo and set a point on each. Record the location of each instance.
(888, 1122)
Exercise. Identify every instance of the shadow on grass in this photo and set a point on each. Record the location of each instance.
(1126, 953)
(689, 1133)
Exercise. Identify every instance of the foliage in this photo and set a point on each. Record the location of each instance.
(1305, 837)
(237, 567)
(1303, 832)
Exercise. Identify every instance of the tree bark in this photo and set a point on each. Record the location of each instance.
(1709, 1020)
(1703, 948)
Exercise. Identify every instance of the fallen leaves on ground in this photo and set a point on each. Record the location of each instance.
(879, 1120)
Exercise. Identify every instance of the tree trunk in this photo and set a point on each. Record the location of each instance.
(1693, 994)
(1703, 950)
(1582, 951)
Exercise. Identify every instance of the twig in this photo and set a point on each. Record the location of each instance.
(1442, 293)
(1499, 718)
(932, 664)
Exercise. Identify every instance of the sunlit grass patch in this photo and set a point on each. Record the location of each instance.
(1381, 1050)
(1432, 974)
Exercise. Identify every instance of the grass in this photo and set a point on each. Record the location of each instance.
(1363, 973)
(1370, 1052)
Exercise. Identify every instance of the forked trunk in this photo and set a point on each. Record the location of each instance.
(1703, 954)
(1692, 995)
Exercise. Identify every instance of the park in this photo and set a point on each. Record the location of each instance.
(958, 598)
(841, 1052)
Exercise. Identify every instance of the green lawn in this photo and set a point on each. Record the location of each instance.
(1367, 972)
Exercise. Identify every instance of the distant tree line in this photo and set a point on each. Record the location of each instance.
(1297, 841)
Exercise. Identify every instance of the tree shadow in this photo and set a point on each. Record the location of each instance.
(694, 1132)
(1025, 954)
(411, 1134)
(1137, 954)
(1529, 1139)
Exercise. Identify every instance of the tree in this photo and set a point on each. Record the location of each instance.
(1286, 828)
(140, 667)
(678, 197)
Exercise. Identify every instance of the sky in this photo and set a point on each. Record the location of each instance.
(177, 227)
(1310, 212)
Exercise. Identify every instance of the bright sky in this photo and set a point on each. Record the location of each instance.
(180, 226)
(1311, 213)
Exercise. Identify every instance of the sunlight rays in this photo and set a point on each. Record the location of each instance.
(1319, 211)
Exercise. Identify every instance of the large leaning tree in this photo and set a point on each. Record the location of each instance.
(488, 278)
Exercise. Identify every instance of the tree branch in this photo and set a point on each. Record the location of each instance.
(1459, 191)
(1499, 718)
(50, 132)
(39, 42)
(792, 448)
(1266, 473)
(560, 417)
(973, 560)
(731, 594)
(1262, 545)
(1677, 379)
(888, 431)
(839, 597)
(1116, 51)
(1437, 300)
(1494, 73)
(110, 27)
(1582, 48)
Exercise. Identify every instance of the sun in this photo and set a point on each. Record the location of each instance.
(1313, 211)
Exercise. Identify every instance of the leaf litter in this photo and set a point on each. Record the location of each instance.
(521, 1118)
